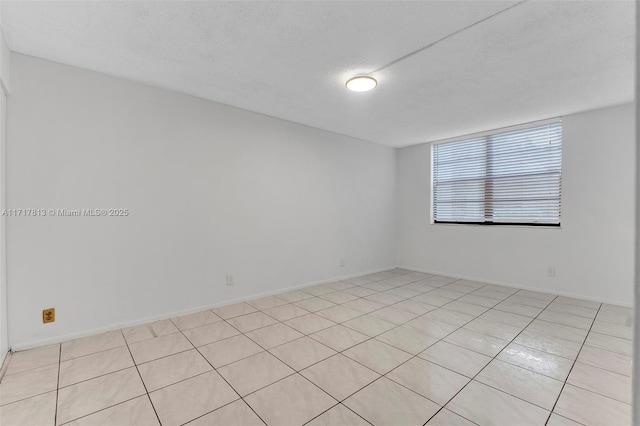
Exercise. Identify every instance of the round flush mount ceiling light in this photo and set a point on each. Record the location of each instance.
(361, 83)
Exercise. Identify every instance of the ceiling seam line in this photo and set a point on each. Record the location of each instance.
(415, 52)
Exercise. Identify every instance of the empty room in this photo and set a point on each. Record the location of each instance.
(345, 213)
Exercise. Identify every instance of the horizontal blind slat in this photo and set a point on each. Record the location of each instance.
(514, 176)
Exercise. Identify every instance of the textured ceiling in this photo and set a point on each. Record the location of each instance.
(536, 60)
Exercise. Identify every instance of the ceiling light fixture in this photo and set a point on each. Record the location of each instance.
(361, 83)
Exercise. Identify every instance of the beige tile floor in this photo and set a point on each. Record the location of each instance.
(391, 348)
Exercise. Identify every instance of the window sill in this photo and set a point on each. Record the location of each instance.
(501, 226)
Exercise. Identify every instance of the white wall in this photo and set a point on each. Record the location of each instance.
(5, 60)
(592, 253)
(212, 190)
(4, 339)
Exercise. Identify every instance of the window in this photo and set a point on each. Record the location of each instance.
(510, 178)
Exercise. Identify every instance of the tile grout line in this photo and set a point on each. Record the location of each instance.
(55, 416)
(334, 323)
(442, 340)
(535, 318)
(396, 326)
(117, 371)
(416, 355)
(331, 408)
(520, 344)
(141, 379)
(339, 402)
(280, 360)
(293, 369)
(4, 368)
(30, 369)
(573, 365)
(102, 375)
(37, 394)
(372, 338)
(220, 375)
(77, 357)
(492, 359)
(335, 304)
(102, 409)
(29, 397)
(412, 355)
(99, 375)
(604, 369)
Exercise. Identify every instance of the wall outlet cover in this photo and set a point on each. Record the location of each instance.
(48, 315)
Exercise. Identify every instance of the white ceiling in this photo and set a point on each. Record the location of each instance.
(537, 60)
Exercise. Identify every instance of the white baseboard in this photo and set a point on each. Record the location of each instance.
(539, 290)
(65, 337)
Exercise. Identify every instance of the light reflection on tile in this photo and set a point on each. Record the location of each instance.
(537, 361)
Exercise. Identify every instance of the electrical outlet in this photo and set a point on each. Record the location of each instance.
(48, 315)
(229, 279)
(551, 271)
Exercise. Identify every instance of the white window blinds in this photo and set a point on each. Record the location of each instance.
(506, 178)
